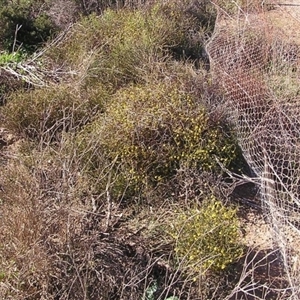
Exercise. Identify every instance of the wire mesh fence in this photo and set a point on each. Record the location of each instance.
(258, 70)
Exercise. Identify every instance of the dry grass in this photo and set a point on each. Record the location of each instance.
(57, 243)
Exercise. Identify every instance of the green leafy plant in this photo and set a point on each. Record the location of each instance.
(24, 24)
(16, 57)
(207, 237)
(150, 291)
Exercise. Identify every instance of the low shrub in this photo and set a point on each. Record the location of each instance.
(24, 24)
(122, 46)
(8, 84)
(42, 114)
(151, 130)
(207, 238)
(114, 43)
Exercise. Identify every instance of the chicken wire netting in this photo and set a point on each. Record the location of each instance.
(258, 70)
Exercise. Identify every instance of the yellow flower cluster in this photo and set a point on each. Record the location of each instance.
(207, 238)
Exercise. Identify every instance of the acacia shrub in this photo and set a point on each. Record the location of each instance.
(207, 237)
(151, 130)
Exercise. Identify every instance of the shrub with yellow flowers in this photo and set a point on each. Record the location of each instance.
(152, 130)
(207, 238)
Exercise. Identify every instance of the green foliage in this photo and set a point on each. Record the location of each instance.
(34, 26)
(122, 46)
(6, 57)
(207, 237)
(191, 21)
(152, 130)
(44, 113)
(150, 293)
